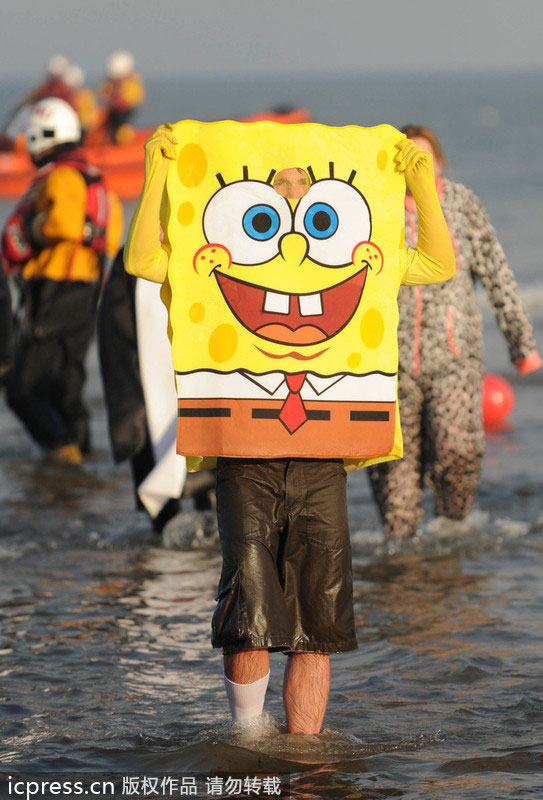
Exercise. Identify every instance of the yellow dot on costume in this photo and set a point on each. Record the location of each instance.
(382, 159)
(354, 360)
(372, 328)
(223, 343)
(185, 213)
(197, 312)
(191, 165)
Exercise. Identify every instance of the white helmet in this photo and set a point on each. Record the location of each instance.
(57, 65)
(120, 64)
(52, 121)
(74, 77)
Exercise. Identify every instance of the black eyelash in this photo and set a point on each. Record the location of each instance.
(245, 174)
(331, 173)
(222, 182)
(269, 179)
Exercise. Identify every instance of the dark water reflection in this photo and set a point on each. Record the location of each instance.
(106, 665)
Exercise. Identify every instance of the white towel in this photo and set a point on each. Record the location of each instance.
(167, 478)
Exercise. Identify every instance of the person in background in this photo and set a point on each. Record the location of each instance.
(53, 85)
(83, 99)
(441, 362)
(56, 240)
(121, 94)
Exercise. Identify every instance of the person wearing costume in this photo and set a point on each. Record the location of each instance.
(121, 94)
(120, 316)
(56, 240)
(281, 502)
(441, 363)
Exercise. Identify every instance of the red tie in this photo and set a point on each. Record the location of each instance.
(292, 413)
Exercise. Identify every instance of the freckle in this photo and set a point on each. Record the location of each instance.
(211, 261)
(202, 258)
(213, 250)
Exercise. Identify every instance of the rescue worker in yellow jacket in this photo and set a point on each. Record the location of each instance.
(121, 94)
(56, 241)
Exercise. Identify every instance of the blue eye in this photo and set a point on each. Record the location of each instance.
(261, 222)
(321, 221)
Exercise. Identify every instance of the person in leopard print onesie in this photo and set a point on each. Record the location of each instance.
(441, 362)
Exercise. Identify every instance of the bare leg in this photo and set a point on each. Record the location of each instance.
(306, 690)
(247, 666)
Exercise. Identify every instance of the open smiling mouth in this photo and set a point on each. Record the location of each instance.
(300, 319)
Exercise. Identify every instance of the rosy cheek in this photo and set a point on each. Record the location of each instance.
(210, 257)
(368, 253)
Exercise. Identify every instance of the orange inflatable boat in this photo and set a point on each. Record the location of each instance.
(121, 165)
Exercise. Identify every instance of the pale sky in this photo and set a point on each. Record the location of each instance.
(272, 37)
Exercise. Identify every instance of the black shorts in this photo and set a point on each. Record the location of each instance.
(286, 581)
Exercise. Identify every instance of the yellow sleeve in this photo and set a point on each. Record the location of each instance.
(62, 200)
(144, 255)
(422, 269)
(433, 259)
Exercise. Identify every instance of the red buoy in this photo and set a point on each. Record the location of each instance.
(498, 400)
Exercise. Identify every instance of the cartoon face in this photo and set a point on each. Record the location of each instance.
(257, 226)
(286, 248)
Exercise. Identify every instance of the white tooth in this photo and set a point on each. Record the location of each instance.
(310, 305)
(277, 303)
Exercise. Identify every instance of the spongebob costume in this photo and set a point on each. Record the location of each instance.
(283, 322)
(263, 288)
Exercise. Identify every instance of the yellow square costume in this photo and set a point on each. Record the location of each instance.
(283, 313)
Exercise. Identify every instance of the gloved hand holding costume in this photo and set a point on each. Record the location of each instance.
(144, 253)
(434, 246)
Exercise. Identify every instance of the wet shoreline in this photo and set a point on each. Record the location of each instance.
(107, 665)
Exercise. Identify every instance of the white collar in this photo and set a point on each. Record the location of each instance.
(271, 381)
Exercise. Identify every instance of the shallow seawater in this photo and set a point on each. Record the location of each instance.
(106, 667)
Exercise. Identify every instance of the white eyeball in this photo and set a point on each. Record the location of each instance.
(249, 218)
(334, 217)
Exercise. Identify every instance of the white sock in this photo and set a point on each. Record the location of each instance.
(246, 699)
